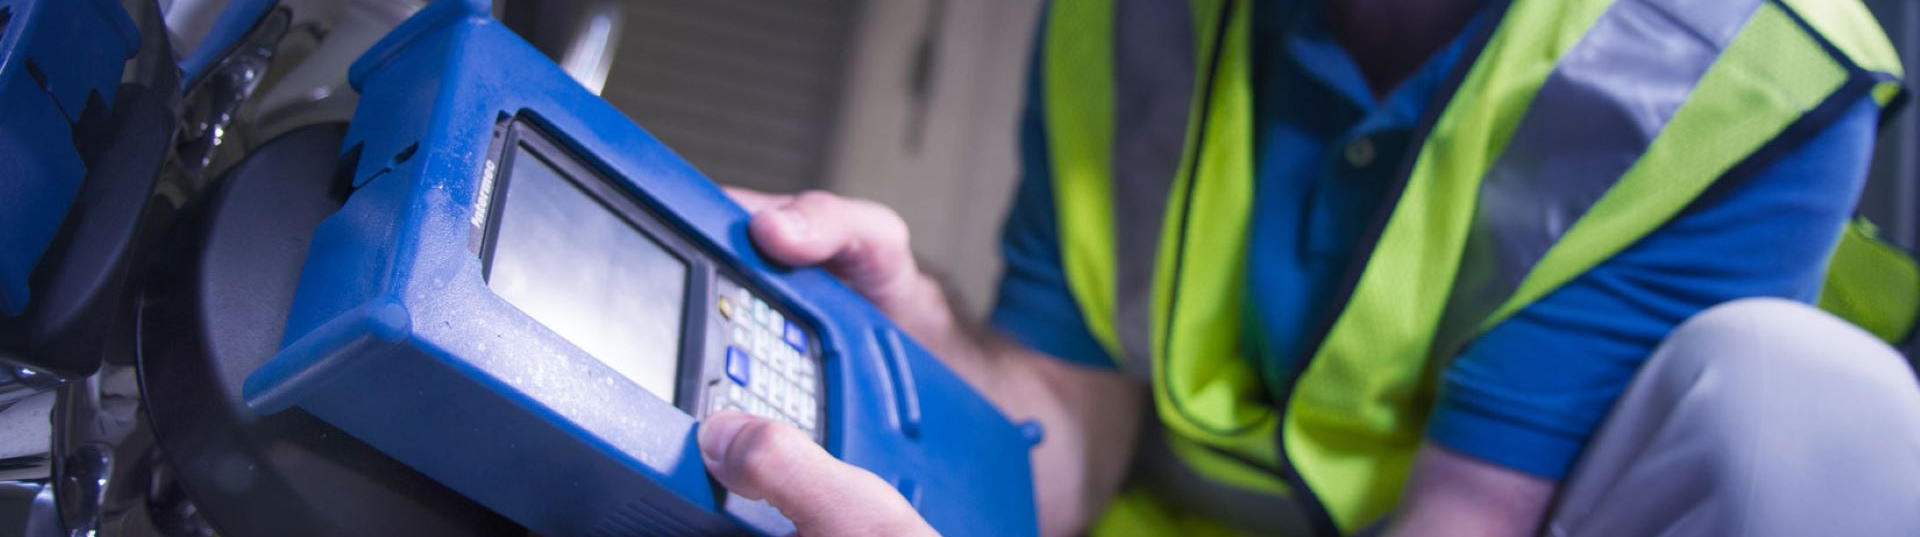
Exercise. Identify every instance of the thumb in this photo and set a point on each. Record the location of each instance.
(864, 243)
(824, 497)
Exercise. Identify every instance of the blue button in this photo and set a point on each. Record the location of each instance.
(737, 365)
(795, 338)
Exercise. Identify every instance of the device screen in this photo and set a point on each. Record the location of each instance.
(588, 274)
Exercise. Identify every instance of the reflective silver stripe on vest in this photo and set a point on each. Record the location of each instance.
(1153, 70)
(1594, 116)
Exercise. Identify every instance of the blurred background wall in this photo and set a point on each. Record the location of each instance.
(1893, 193)
(909, 102)
(914, 103)
(939, 86)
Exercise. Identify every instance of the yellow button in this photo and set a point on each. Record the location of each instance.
(726, 308)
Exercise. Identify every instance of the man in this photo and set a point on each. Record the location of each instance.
(1414, 267)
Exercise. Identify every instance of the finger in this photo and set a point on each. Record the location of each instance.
(823, 496)
(862, 242)
(754, 201)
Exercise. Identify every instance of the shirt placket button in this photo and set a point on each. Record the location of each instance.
(1360, 152)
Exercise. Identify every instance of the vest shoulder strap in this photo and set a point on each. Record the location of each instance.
(1873, 284)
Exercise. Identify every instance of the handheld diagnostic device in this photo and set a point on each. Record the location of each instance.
(529, 299)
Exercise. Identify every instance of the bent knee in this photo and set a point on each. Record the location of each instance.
(1774, 336)
(1786, 334)
(1774, 395)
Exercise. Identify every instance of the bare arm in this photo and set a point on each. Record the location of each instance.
(1452, 494)
(1090, 416)
(1091, 419)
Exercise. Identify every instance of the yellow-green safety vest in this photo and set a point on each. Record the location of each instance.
(1579, 127)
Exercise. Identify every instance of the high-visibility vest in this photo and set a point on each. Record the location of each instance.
(1578, 127)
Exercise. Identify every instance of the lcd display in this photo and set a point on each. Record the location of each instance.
(575, 265)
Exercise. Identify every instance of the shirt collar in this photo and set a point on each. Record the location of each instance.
(1310, 44)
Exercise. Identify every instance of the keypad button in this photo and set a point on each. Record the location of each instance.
(737, 368)
(795, 337)
(783, 363)
(767, 361)
(772, 362)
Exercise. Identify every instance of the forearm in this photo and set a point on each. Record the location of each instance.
(1452, 494)
(1091, 419)
(1090, 416)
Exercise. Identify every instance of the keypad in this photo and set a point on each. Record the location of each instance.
(769, 368)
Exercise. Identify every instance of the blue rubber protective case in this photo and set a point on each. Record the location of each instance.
(395, 338)
(58, 58)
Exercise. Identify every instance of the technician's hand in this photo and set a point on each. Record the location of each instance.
(823, 497)
(864, 244)
(1090, 415)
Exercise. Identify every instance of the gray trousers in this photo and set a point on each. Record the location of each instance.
(1755, 418)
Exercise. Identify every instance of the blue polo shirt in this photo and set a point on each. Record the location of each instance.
(1527, 394)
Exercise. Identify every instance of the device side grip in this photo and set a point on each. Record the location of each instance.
(905, 394)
